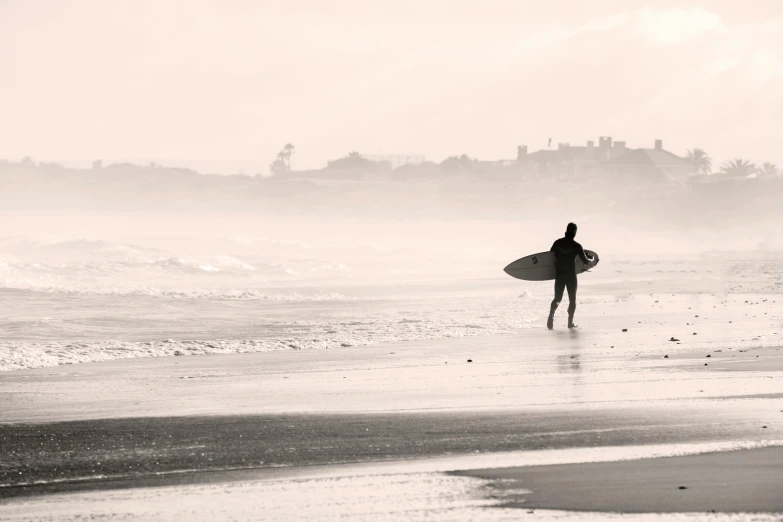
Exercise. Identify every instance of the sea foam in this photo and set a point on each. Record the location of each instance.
(159, 326)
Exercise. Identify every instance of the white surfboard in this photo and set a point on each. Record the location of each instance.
(541, 267)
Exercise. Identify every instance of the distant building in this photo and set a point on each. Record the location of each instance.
(651, 162)
(607, 156)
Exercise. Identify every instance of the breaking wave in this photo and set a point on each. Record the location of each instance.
(261, 326)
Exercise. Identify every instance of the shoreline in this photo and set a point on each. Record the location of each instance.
(505, 372)
(626, 302)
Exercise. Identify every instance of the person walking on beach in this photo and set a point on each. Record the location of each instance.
(566, 250)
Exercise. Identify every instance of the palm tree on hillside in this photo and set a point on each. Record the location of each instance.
(288, 150)
(769, 170)
(738, 168)
(701, 160)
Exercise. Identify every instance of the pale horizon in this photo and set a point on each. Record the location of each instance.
(221, 88)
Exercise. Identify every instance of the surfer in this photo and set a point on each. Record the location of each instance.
(566, 250)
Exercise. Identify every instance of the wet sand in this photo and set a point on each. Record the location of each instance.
(746, 481)
(134, 452)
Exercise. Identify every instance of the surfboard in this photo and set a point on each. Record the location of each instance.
(541, 266)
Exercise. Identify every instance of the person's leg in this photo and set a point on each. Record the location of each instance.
(571, 286)
(559, 287)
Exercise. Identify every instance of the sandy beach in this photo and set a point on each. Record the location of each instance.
(497, 414)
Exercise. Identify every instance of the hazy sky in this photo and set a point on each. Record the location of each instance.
(225, 80)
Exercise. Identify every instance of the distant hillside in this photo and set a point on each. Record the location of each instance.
(430, 193)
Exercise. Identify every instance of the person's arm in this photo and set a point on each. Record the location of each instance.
(583, 256)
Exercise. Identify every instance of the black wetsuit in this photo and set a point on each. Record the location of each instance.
(566, 250)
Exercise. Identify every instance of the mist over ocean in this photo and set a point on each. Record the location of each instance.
(194, 264)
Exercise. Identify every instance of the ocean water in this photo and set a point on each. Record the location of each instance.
(64, 302)
(41, 328)
(80, 300)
